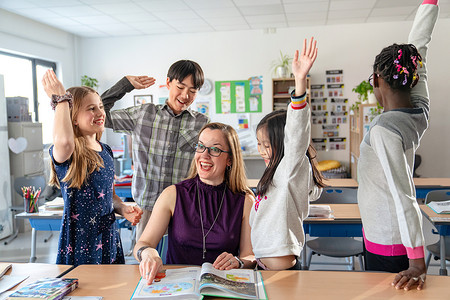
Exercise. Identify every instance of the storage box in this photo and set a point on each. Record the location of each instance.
(17, 109)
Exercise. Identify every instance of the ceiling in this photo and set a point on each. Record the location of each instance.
(113, 18)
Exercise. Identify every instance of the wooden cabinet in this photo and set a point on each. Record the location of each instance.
(281, 88)
(359, 125)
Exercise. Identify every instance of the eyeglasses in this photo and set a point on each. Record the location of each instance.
(370, 80)
(213, 151)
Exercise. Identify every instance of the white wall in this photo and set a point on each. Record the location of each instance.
(241, 54)
(23, 36)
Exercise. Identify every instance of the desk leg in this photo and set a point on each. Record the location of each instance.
(33, 245)
(443, 270)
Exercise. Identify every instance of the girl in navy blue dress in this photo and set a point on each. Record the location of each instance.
(83, 168)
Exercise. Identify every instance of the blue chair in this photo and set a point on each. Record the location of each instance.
(435, 249)
(336, 246)
(162, 248)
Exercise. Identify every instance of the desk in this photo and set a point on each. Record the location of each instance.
(346, 223)
(123, 191)
(119, 282)
(425, 185)
(36, 271)
(44, 221)
(442, 223)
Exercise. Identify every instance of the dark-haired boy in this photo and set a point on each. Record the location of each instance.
(163, 136)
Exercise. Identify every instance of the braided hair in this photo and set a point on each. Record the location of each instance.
(397, 65)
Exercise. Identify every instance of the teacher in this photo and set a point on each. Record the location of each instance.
(207, 214)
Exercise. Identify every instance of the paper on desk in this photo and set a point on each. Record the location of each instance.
(82, 298)
(9, 281)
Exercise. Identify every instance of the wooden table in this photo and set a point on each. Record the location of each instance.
(36, 271)
(119, 281)
(442, 223)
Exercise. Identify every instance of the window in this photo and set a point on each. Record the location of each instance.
(23, 76)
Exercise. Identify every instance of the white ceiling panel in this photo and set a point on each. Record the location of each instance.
(305, 8)
(118, 8)
(227, 12)
(162, 5)
(97, 18)
(134, 18)
(176, 15)
(348, 14)
(262, 9)
(351, 4)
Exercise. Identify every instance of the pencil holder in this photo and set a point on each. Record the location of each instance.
(30, 205)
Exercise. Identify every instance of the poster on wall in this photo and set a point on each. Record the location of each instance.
(244, 121)
(163, 94)
(202, 106)
(235, 97)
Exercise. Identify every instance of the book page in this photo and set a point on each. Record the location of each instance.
(178, 284)
(235, 282)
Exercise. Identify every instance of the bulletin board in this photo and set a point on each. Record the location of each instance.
(235, 97)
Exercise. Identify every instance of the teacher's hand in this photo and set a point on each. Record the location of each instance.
(150, 265)
(226, 261)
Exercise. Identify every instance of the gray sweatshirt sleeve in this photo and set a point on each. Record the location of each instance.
(420, 36)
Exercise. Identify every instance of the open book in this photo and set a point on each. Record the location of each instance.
(440, 207)
(196, 282)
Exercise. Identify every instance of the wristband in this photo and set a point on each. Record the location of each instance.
(57, 99)
(139, 252)
(241, 263)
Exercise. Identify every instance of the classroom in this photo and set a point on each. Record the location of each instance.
(237, 43)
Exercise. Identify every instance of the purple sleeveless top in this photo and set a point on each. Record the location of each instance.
(185, 238)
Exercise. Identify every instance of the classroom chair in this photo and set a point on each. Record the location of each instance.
(162, 248)
(434, 249)
(336, 246)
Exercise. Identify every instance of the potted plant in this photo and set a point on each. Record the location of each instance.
(281, 66)
(89, 81)
(364, 89)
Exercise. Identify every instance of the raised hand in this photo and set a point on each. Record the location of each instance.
(301, 64)
(52, 85)
(141, 82)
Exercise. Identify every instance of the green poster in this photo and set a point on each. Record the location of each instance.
(234, 97)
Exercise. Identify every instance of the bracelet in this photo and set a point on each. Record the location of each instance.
(57, 99)
(139, 252)
(241, 263)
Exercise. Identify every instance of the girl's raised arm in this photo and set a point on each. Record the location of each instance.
(301, 64)
(63, 136)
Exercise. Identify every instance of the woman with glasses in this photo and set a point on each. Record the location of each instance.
(390, 214)
(206, 215)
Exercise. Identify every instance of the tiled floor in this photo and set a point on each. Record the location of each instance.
(19, 251)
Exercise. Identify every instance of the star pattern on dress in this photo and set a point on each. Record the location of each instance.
(93, 221)
(75, 216)
(101, 195)
(69, 249)
(99, 246)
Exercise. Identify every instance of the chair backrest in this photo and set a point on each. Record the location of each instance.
(33, 181)
(437, 195)
(337, 196)
(162, 248)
